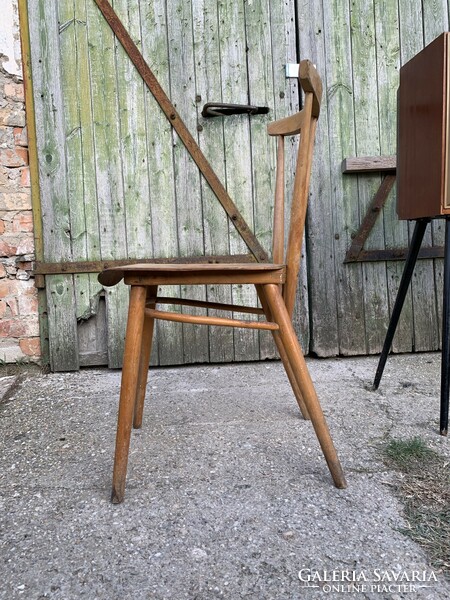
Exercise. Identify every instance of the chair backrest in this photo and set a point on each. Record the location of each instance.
(303, 123)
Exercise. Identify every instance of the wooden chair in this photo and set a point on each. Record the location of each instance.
(276, 285)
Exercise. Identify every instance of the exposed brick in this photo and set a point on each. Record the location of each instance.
(8, 287)
(27, 287)
(13, 328)
(15, 201)
(26, 245)
(22, 222)
(7, 248)
(7, 137)
(16, 157)
(9, 179)
(12, 118)
(19, 326)
(28, 305)
(25, 265)
(30, 346)
(25, 180)
(31, 325)
(22, 275)
(10, 350)
(13, 306)
(20, 136)
(14, 91)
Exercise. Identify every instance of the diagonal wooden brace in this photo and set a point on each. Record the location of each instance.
(184, 134)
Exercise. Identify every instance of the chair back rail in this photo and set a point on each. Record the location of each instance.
(302, 123)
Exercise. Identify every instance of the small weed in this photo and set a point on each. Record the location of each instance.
(407, 455)
(424, 489)
(20, 367)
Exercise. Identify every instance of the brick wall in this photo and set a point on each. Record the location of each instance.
(19, 326)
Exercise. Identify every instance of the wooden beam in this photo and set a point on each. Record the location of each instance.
(369, 164)
(97, 266)
(184, 134)
(34, 175)
(371, 216)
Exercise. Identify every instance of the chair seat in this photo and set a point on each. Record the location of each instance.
(192, 273)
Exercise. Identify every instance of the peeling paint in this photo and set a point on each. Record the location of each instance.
(93, 307)
(10, 54)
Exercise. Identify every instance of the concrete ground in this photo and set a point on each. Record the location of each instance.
(228, 495)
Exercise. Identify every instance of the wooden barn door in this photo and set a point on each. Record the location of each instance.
(117, 183)
(358, 48)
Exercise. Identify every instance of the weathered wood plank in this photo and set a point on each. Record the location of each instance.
(376, 310)
(263, 148)
(49, 112)
(349, 277)
(133, 143)
(168, 336)
(91, 233)
(110, 196)
(426, 330)
(133, 139)
(79, 152)
(211, 142)
(366, 164)
(321, 228)
(395, 231)
(187, 175)
(234, 78)
(73, 146)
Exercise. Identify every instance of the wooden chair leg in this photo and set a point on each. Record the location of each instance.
(297, 361)
(146, 350)
(130, 371)
(284, 357)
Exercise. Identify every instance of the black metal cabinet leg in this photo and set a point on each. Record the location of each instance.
(416, 241)
(445, 363)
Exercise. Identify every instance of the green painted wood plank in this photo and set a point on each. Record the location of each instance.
(79, 151)
(395, 231)
(322, 283)
(426, 330)
(187, 175)
(263, 149)
(73, 144)
(133, 148)
(211, 142)
(362, 25)
(133, 139)
(161, 171)
(91, 232)
(289, 102)
(237, 141)
(110, 193)
(49, 111)
(339, 90)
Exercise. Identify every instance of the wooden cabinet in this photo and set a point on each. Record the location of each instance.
(423, 133)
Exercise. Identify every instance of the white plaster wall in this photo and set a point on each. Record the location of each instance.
(10, 56)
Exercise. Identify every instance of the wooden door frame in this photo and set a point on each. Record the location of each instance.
(34, 174)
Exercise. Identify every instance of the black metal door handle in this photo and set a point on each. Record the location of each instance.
(221, 109)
